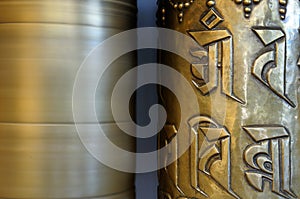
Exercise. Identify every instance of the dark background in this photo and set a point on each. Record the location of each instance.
(146, 184)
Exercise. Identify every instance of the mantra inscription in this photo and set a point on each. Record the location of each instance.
(219, 53)
(250, 154)
(210, 155)
(270, 66)
(269, 159)
(220, 58)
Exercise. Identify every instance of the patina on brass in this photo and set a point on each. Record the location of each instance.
(43, 44)
(246, 77)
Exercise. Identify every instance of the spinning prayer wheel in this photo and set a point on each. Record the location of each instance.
(246, 78)
(43, 44)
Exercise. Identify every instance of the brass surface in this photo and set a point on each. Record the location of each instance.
(41, 55)
(246, 77)
(43, 44)
(41, 160)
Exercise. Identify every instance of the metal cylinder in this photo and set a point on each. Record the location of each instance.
(43, 44)
(245, 133)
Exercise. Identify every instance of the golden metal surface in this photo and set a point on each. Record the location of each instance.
(42, 46)
(245, 73)
(40, 160)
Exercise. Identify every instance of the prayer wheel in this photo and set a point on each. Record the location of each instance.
(42, 46)
(245, 133)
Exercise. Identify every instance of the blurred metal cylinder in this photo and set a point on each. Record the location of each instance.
(245, 73)
(42, 45)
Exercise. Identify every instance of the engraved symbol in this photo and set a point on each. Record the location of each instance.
(270, 67)
(219, 44)
(170, 133)
(270, 159)
(210, 155)
(211, 19)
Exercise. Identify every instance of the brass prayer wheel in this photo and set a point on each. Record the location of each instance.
(43, 44)
(245, 74)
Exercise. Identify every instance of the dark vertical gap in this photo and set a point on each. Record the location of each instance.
(146, 184)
